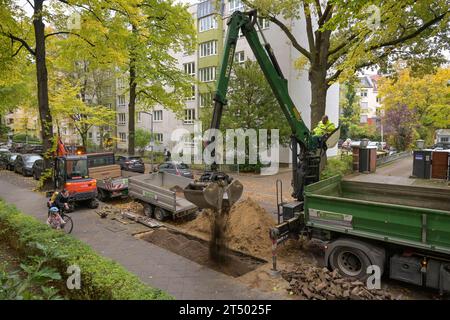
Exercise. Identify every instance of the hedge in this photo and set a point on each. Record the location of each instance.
(101, 278)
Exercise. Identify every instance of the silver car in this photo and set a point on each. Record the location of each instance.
(177, 168)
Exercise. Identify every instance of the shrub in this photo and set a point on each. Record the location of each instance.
(101, 278)
(337, 166)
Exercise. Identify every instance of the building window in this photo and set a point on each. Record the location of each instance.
(205, 8)
(98, 136)
(90, 135)
(122, 100)
(207, 74)
(378, 100)
(121, 83)
(363, 118)
(122, 119)
(159, 137)
(239, 57)
(363, 93)
(206, 99)
(189, 116)
(157, 115)
(123, 137)
(236, 5)
(191, 95)
(108, 90)
(364, 105)
(444, 139)
(208, 48)
(139, 117)
(263, 23)
(109, 106)
(10, 121)
(207, 23)
(189, 68)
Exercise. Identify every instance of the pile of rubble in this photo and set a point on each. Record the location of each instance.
(108, 211)
(315, 283)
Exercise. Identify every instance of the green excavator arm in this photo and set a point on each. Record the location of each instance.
(308, 150)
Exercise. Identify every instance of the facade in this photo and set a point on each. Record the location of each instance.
(211, 17)
(23, 121)
(442, 136)
(369, 100)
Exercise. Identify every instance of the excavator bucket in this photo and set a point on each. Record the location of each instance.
(213, 195)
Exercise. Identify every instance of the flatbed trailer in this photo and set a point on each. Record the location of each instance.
(160, 194)
(404, 230)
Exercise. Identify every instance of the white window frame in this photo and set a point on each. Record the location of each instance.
(207, 23)
(189, 116)
(364, 93)
(191, 97)
(159, 137)
(239, 57)
(122, 137)
(206, 99)
(236, 5)
(157, 116)
(121, 100)
(139, 117)
(264, 23)
(208, 48)
(189, 68)
(121, 118)
(207, 74)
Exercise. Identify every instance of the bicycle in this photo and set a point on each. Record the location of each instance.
(68, 222)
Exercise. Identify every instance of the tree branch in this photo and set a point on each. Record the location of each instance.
(326, 13)
(23, 42)
(291, 37)
(309, 30)
(69, 32)
(17, 52)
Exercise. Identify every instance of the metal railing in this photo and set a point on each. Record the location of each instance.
(392, 157)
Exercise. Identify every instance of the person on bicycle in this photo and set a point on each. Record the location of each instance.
(62, 200)
(54, 219)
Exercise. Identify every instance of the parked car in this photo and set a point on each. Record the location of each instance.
(24, 163)
(33, 148)
(11, 161)
(177, 168)
(131, 163)
(17, 147)
(37, 169)
(4, 156)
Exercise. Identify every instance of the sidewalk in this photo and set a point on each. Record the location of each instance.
(155, 266)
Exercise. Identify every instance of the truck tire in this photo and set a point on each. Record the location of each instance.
(160, 214)
(93, 204)
(352, 257)
(148, 209)
(101, 195)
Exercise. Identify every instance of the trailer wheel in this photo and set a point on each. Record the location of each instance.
(160, 214)
(350, 262)
(93, 204)
(148, 209)
(101, 195)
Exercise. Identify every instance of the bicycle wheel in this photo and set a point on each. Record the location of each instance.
(69, 224)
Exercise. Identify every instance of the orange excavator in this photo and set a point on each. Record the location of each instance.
(71, 172)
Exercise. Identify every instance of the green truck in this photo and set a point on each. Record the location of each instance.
(404, 230)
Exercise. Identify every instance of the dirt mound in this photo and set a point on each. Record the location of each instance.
(131, 206)
(247, 228)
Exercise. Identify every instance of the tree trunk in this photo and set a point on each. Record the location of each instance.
(132, 103)
(42, 82)
(319, 88)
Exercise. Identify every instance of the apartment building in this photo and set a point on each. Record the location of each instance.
(211, 17)
(23, 121)
(369, 100)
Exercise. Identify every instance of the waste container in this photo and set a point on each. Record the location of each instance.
(422, 164)
(367, 159)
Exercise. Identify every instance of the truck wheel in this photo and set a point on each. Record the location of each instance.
(160, 214)
(101, 195)
(93, 204)
(350, 262)
(148, 209)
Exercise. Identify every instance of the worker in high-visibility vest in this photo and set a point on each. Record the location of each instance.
(324, 127)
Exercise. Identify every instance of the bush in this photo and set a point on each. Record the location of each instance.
(22, 138)
(337, 166)
(101, 278)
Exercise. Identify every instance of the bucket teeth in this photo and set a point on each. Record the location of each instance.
(213, 195)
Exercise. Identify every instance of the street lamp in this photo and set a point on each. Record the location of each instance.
(151, 138)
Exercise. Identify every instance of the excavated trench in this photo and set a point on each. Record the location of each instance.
(233, 263)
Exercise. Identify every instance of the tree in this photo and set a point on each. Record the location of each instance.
(30, 34)
(400, 124)
(345, 36)
(349, 106)
(152, 32)
(142, 138)
(67, 103)
(251, 103)
(427, 97)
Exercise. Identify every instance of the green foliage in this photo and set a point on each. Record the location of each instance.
(361, 131)
(142, 139)
(22, 138)
(337, 166)
(349, 105)
(101, 278)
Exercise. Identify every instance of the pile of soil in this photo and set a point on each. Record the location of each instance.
(133, 206)
(247, 228)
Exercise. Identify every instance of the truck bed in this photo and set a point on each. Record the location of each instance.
(407, 215)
